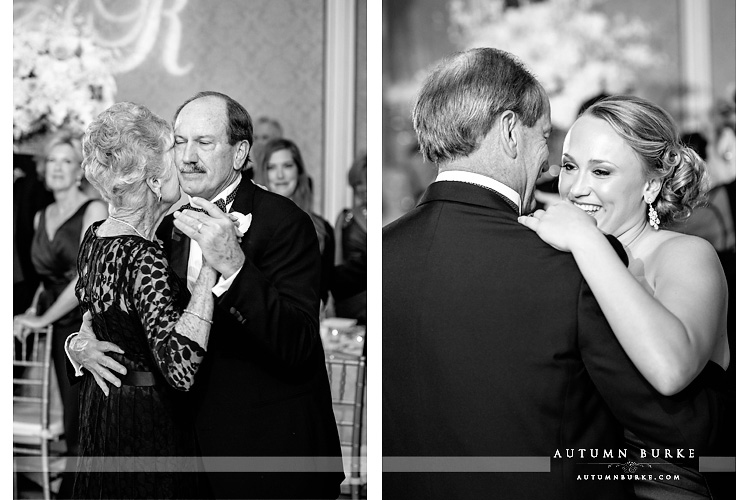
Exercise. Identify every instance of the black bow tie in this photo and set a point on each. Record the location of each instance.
(221, 203)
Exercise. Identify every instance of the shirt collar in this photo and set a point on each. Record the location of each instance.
(482, 180)
(226, 192)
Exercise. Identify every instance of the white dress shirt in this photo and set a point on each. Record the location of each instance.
(482, 180)
(195, 256)
(195, 261)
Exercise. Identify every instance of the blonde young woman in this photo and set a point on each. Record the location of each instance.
(283, 172)
(625, 173)
(59, 229)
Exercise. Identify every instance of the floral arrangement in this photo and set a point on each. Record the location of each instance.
(61, 77)
(575, 51)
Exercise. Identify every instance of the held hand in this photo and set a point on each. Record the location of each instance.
(215, 233)
(89, 352)
(562, 225)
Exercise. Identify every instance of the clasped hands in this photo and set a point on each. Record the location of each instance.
(218, 235)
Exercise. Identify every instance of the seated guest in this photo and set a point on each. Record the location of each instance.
(282, 171)
(350, 274)
(59, 229)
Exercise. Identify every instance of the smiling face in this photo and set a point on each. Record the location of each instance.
(62, 170)
(282, 173)
(604, 176)
(205, 160)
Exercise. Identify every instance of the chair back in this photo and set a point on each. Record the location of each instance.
(347, 380)
(31, 376)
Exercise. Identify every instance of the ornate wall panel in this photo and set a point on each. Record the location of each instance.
(267, 54)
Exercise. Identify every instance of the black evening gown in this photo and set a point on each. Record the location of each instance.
(135, 301)
(349, 286)
(55, 262)
(679, 478)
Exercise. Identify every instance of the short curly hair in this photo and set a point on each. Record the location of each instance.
(653, 135)
(123, 147)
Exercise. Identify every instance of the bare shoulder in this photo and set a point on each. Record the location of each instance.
(97, 209)
(678, 253)
(678, 245)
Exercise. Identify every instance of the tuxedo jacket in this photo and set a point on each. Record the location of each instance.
(494, 346)
(262, 389)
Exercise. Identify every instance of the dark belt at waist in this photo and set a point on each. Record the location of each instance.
(138, 379)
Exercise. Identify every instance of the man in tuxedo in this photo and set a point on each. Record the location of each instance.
(493, 344)
(262, 390)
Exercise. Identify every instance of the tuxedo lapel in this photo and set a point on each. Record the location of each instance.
(245, 198)
(179, 252)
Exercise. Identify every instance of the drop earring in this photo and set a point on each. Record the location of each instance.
(653, 217)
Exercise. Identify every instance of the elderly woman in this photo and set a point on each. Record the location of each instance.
(137, 303)
(59, 229)
(282, 171)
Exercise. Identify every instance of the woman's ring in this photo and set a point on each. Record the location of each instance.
(200, 226)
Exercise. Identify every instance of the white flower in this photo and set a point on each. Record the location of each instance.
(60, 76)
(244, 221)
(575, 51)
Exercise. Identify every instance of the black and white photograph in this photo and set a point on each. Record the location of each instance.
(189, 249)
(558, 268)
(553, 280)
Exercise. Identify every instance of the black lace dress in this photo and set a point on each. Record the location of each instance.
(135, 301)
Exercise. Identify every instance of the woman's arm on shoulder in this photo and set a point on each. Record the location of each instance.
(670, 335)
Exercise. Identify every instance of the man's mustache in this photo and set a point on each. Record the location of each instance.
(192, 169)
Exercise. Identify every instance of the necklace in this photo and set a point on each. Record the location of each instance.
(130, 225)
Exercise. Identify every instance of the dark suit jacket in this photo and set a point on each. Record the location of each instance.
(262, 389)
(493, 345)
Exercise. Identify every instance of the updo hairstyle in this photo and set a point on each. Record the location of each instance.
(122, 148)
(652, 134)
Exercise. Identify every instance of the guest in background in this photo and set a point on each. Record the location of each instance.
(283, 172)
(715, 222)
(59, 229)
(350, 274)
(265, 129)
(29, 196)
